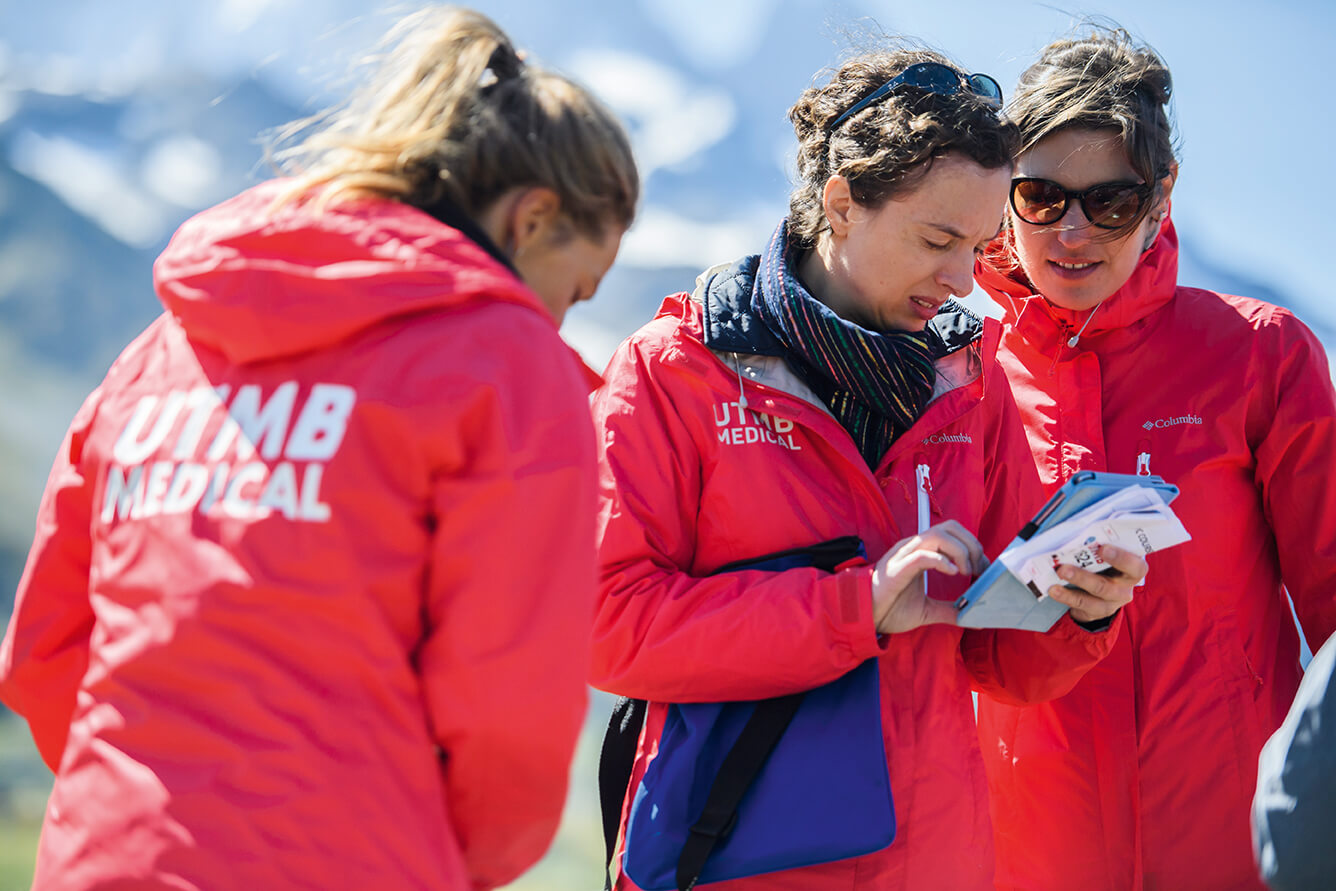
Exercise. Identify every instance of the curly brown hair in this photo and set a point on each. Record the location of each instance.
(887, 148)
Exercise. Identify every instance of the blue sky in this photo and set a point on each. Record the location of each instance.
(1253, 98)
(1254, 107)
(1253, 104)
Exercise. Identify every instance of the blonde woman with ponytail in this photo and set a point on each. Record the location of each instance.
(309, 600)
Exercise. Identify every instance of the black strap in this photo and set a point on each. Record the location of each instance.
(743, 762)
(615, 763)
(826, 555)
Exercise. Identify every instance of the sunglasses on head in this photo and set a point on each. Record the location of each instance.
(1042, 202)
(931, 77)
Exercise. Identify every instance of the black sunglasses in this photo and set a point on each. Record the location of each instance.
(931, 77)
(1042, 202)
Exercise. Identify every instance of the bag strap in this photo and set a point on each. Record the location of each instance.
(760, 734)
(762, 731)
(615, 763)
(826, 555)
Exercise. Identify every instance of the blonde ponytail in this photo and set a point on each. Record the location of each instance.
(453, 111)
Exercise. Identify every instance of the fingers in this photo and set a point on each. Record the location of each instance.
(1125, 571)
(1086, 607)
(948, 546)
(1130, 565)
(952, 540)
(1083, 606)
(951, 554)
(899, 602)
(1103, 592)
(955, 542)
(901, 570)
(1098, 595)
(1101, 586)
(921, 560)
(977, 562)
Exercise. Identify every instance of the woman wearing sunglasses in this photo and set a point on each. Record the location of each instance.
(830, 387)
(1142, 776)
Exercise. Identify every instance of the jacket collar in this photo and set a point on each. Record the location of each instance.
(452, 215)
(1150, 287)
(725, 295)
(730, 326)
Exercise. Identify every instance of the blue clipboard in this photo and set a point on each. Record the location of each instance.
(998, 599)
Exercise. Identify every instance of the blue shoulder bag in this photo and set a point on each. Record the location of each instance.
(744, 788)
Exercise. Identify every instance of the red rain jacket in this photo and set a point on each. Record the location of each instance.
(1143, 775)
(692, 482)
(298, 614)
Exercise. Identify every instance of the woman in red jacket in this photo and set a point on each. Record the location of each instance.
(829, 387)
(1142, 776)
(309, 600)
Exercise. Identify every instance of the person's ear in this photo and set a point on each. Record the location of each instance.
(531, 218)
(1165, 188)
(838, 203)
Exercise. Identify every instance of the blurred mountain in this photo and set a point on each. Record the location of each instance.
(91, 187)
(94, 180)
(115, 126)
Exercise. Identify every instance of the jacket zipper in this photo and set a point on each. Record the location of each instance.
(1143, 458)
(923, 477)
(1057, 354)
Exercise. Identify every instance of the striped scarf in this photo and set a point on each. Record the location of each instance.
(875, 384)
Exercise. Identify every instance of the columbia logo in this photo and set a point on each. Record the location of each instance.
(1172, 422)
(940, 438)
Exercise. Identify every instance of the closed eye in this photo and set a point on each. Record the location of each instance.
(983, 245)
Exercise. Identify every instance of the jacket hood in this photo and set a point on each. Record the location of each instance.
(257, 283)
(1150, 286)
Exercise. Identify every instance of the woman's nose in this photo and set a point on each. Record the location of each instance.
(958, 275)
(1075, 226)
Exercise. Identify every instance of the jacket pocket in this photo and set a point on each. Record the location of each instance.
(1241, 687)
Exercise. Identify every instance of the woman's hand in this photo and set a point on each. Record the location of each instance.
(898, 599)
(1099, 596)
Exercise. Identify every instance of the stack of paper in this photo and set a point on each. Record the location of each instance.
(1136, 519)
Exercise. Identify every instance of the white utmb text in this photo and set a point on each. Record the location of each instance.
(193, 450)
(739, 426)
